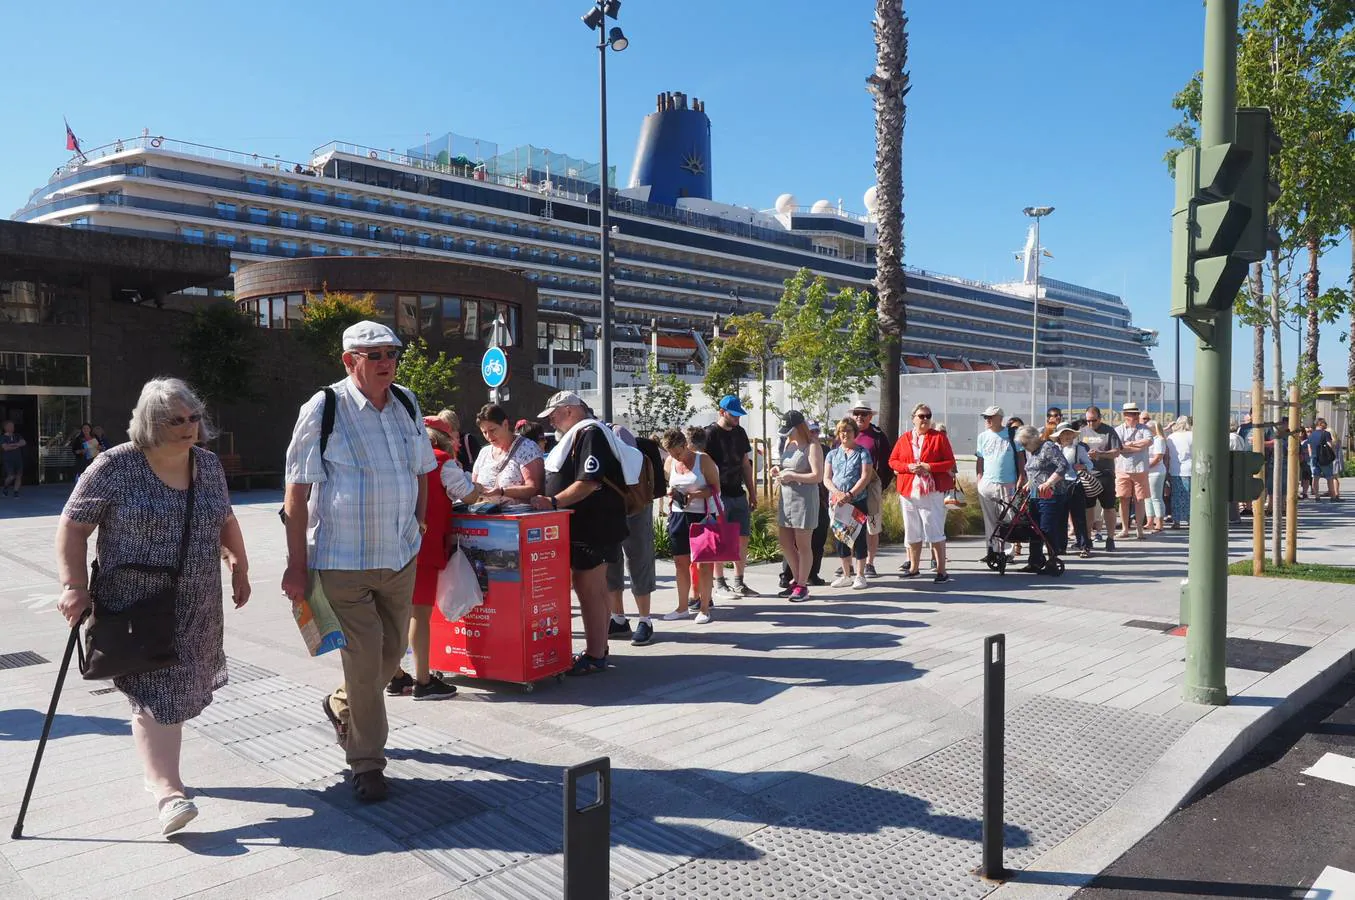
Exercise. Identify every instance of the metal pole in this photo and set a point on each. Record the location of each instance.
(1208, 565)
(994, 755)
(1258, 509)
(1177, 407)
(1035, 329)
(605, 309)
(1291, 494)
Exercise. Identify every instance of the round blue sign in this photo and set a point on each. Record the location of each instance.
(494, 367)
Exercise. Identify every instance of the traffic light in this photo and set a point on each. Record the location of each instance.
(1207, 223)
(1258, 188)
(1246, 481)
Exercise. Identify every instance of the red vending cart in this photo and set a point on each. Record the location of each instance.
(521, 633)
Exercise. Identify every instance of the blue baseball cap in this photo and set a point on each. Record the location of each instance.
(730, 404)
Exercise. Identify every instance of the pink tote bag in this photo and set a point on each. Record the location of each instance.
(714, 539)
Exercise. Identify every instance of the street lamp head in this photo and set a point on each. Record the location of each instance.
(593, 18)
(1036, 212)
(611, 8)
(617, 39)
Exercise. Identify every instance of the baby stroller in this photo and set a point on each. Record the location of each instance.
(1016, 524)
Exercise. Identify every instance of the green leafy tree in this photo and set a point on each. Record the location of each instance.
(829, 343)
(327, 315)
(432, 379)
(660, 402)
(219, 348)
(1296, 57)
(727, 369)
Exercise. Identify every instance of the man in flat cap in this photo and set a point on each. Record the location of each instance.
(354, 507)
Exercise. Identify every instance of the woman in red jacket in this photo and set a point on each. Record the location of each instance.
(925, 465)
(446, 483)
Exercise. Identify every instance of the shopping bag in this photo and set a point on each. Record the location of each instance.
(714, 539)
(315, 618)
(847, 523)
(458, 590)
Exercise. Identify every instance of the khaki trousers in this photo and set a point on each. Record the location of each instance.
(373, 608)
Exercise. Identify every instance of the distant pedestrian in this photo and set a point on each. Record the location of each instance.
(356, 514)
(1181, 466)
(84, 446)
(879, 445)
(1322, 449)
(728, 445)
(798, 474)
(12, 446)
(1075, 453)
(1103, 446)
(1155, 510)
(848, 473)
(996, 467)
(637, 548)
(925, 464)
(1047, 481)
(445, 484)
(137, 496)
(693, 486)
(588, 472)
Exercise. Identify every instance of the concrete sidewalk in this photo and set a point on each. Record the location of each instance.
(824, 749)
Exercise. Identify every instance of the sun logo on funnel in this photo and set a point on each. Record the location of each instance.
(693, 163)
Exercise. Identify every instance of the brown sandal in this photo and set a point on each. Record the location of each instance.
(340, 729)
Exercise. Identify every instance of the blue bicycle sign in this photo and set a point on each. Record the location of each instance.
(494, 367)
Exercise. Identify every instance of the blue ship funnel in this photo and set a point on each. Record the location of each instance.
(672, 157)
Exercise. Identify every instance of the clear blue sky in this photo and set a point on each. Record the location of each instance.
(1058, 102)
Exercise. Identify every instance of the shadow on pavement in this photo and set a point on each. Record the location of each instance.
(26, 725)
(1114, 886)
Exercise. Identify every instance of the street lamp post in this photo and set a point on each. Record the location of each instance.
(596, 19)
(1037, 213)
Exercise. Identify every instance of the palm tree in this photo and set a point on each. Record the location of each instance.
(889, 86)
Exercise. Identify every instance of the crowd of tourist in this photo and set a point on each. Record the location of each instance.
(371, 484)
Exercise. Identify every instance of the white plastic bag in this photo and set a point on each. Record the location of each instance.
(458, 588)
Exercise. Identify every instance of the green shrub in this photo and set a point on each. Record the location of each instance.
(762, 543)
(663, 547)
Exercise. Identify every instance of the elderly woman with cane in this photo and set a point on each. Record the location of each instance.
(155, 500)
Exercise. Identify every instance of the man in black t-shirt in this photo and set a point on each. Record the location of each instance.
(728, 446)
(586, 479)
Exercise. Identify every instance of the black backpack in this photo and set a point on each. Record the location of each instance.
(327, 425)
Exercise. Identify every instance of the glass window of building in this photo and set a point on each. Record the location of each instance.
(451, 316)
(471, 320)
(287, 190)
(317, 223)
(256, 185)
(258, 215)
(289, 248)
(407, 314)
(424, 238)
(397, 208)
(288, 219)
(192, 235)
(317, 195)
(278, 312)
(225, 239)
(345, 251)
(429, 306)
(43, 303)
(374, 232)
(295, 304)
(225, 210)
(345, 228)
(397, 235)
(319, 250)
(344, 199)
(385, 308)
(424, 212)
(258, 245)
(373, 204)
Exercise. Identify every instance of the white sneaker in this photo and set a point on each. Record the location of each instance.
(702, 618)
(175, 814)
(860, 582)
(842, 581)
(676, 615)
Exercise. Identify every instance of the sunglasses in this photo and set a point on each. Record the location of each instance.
(923, 415)
(180, 421)
(376, 355)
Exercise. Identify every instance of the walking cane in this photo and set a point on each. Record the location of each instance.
(18, 831)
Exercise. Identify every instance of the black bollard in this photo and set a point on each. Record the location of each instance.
(994, 723)
(588, 833)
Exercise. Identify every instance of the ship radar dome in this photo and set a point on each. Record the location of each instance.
(785, 204)
(869, 199)
(821, 206)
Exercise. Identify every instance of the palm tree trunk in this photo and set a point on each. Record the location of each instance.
(889, 85)
(1310, 374)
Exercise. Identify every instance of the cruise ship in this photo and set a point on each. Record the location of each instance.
(682, 261)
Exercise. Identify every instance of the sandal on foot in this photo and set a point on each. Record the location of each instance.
(340, 729)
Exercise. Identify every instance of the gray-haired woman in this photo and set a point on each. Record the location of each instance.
(1047, 477)
(136, 495)
(1180, 466)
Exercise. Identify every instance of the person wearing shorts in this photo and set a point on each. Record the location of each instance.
(638, 549)
(577, 472)
(1103, 446)
(873, 438)
(732, 452)
(1131, 469)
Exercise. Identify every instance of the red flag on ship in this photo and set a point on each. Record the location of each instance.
(72, 142)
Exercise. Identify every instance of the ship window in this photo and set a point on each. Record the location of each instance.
(225, 210)
(192, 235)
(258, 215)
(346, 228)
(258, 245)
(224, 239)
(318, 223)
(288, 219)
(287, 190)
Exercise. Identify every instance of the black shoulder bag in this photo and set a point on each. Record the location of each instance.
(139, 638)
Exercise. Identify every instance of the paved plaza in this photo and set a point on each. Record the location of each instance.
(824, 749)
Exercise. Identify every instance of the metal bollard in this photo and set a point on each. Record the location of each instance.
(588, 833)
(994, 723)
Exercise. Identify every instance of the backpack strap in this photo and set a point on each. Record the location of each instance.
(407, 403)
(327, 420)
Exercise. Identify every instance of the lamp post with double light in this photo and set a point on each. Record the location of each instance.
(614, 39)
(1037, 213)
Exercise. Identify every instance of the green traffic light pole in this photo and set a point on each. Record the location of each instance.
(1208, 565)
